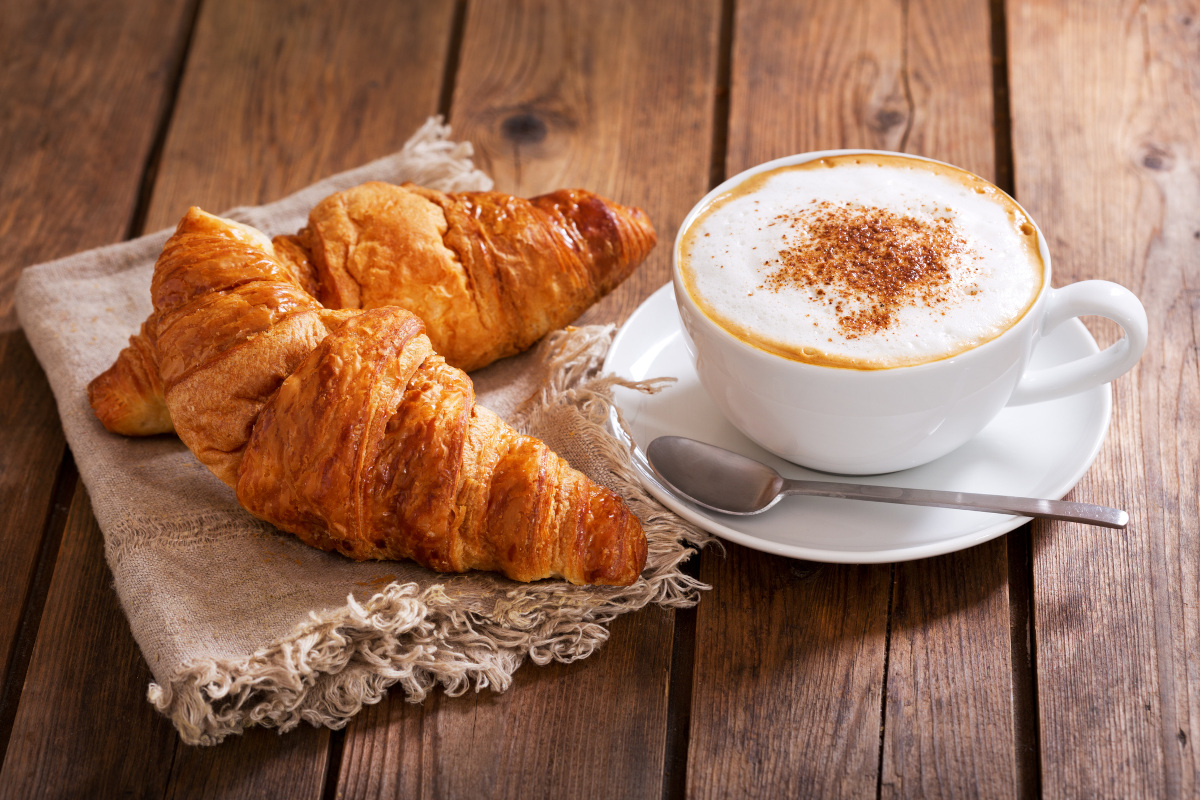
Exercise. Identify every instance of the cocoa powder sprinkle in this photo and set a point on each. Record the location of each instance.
(865, 262)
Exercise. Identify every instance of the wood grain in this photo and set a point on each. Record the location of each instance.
(84, 728)
(817, 76)
(552, 95)
(594, 728)
(384, 750)
(80, 93)
(259, 763)
(796, 665)
(572, 94)
(916, 77)
(261, 113)
(949, 715)
(788, 675)
(950, 730)
(305, 90)
(1107, 159)
(279, 94)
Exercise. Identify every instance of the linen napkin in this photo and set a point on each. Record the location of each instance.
(242, 624)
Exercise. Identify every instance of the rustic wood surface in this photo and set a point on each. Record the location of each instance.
(538, 84)
(898, 77)
(380, 93)
(1059, 660)
(79, 119)
(1107, 158)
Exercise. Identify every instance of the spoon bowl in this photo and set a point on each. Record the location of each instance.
(713, 477)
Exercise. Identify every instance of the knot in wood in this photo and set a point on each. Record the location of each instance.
(1157, 158)
(889, 119)
(524, 128)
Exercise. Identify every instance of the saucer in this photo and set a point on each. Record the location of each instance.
(1038, 450)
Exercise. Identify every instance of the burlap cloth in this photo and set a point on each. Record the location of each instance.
(242, 624)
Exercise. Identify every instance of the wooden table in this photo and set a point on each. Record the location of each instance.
(1057, 660)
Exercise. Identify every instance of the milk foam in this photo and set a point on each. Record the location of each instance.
(988, 267)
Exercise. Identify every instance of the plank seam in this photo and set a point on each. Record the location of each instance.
(333, 763)
(141, 209)
(1023, 643)
(1027, 751)
(453, 59)
(720, 141)
(680, 683)
(34, 604)
(679, 698)
(904, 78)
(887, 656)
(1001, 108)
(149, 177)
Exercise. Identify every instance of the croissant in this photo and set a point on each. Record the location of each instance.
(489, 274)
(347, 429)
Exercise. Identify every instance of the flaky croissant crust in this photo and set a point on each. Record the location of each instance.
(489, 273)
(347, 429)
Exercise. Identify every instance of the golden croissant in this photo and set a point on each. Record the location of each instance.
(487, 272)
(345, 427)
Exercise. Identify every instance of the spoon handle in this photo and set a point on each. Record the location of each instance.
(1022, 506)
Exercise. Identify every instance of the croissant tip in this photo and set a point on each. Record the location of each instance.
(124, 411)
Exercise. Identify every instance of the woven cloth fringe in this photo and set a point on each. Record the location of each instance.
(416, 638)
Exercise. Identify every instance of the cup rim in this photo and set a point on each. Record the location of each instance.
(682, 294)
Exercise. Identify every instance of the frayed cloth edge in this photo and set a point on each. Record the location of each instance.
(338, 661)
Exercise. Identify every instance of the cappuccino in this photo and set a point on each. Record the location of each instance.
(864, 261)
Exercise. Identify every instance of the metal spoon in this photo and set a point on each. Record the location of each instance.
(715, 478)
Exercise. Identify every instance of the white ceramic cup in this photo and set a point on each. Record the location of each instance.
(861, 422)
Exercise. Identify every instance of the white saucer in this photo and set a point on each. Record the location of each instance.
(1038, 450)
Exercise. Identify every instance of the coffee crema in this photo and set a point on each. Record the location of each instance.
(865, 261)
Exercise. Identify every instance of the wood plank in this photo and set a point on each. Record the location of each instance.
(282, 93)
(949, 729)
(81, 89)
(305, 91)
(552, 95)
(788, 675)
(84, 728)
(914, 77)
(949, 715)
(259, 763)
(288, 118)
(1107, 160)
(559, 731)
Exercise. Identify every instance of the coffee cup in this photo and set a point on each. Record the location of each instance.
(874, 251)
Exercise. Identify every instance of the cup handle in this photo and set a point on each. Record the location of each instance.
(1101, 298)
